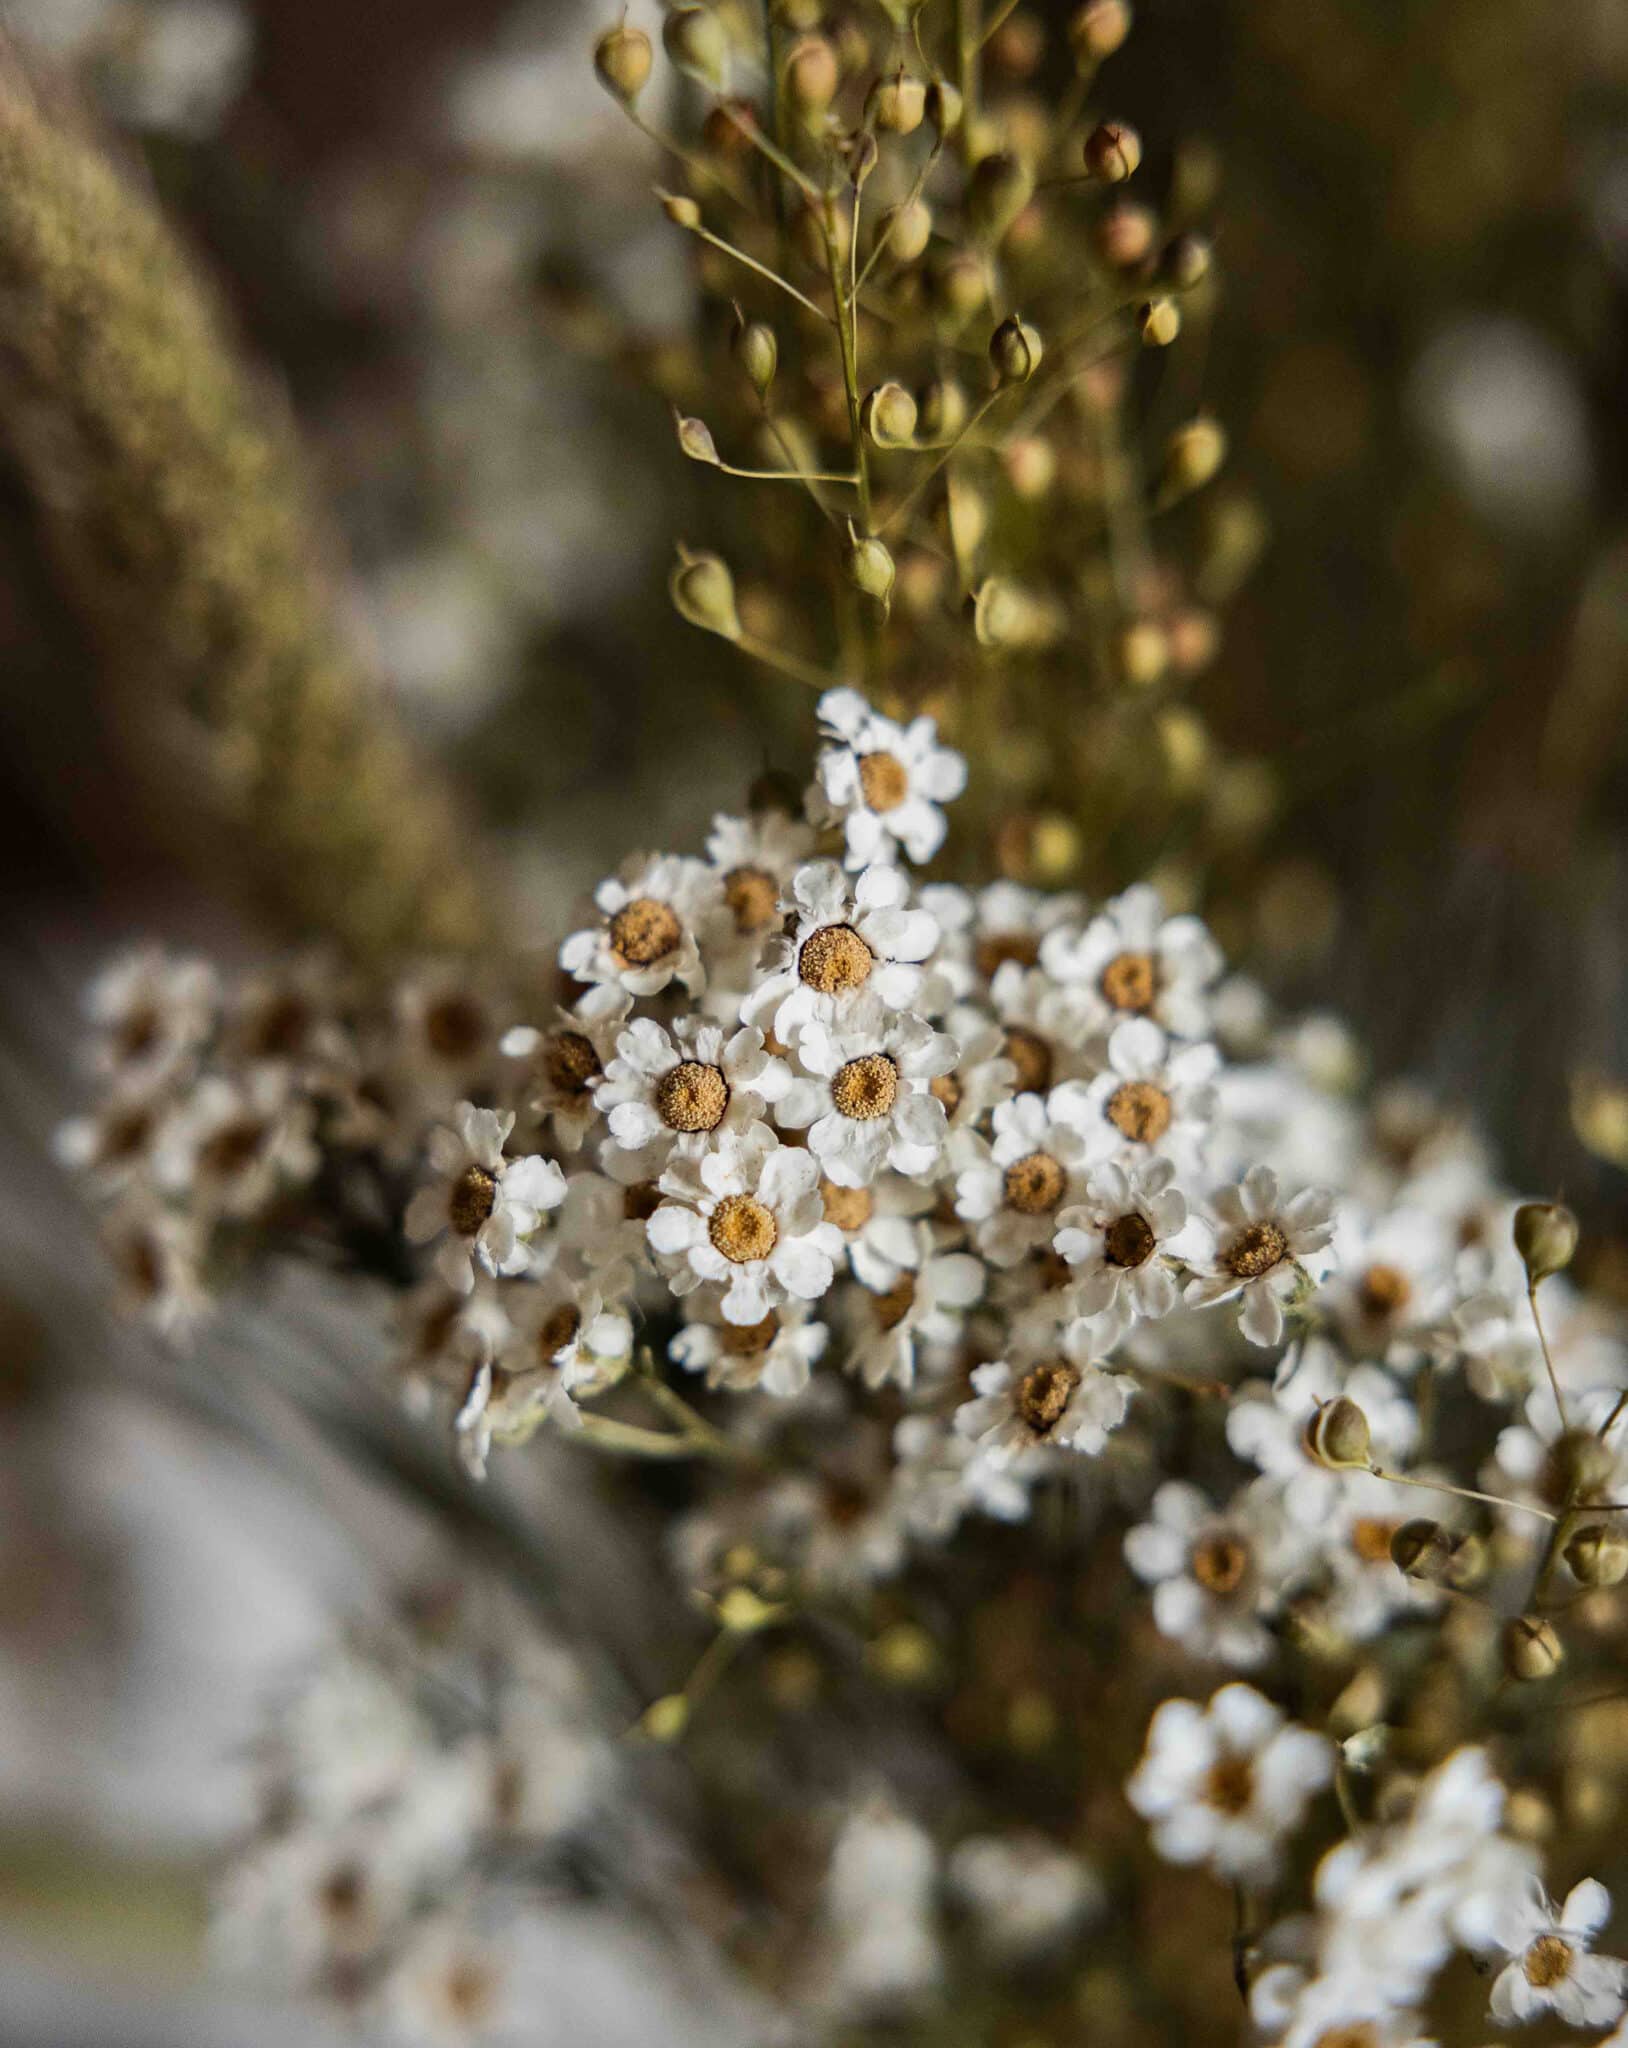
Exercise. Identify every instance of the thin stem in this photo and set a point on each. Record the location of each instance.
(909, 200)
(968, 42)
(1463, 1492)
(1548, 1358)
(673, 1404)
(788, 476)
(850, 360)
(790, 454)
(776, 156)
(628, 1437)
(695, 164)
(999, 21)
(762, 269)
(789, 664)
(908, 501)
(1609, 1423)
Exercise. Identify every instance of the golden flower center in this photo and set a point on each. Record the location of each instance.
(1128, 1241)
(884, 781)
(1043, 1395)
(470, 1992)
(1548, 1961)
(945, 1088)
(570, 1062)
(1220, 1561)
(1230, 1785)
(1032, 1057)
(835, 959)
(994, 949)
(644, 931)
(745, 1340)
(866, 1088)
(692, 1097)
(473, 1197)
(1384, 1291)
(455, 1027)
(1129, 981)
(893, 1306)
(140, 1261)
(558, 1330)
(743, 1229)
(1034, 1184)
(282, 1026)
(1140, 1111)
(847, 1208)
(1256, 1249)
(753, 897)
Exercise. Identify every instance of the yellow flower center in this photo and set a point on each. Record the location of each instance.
(692, 1097)
(1140, 1111)
(866, 1088)
(743, 1229)
(1256, 1249)
(473, 1197)
(644, 931)
(883, 780)
(835, 959)
(1034, 1185)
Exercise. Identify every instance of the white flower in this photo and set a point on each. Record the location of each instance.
(1045, 1030)
(864, 1093)
(568, 1327)
(1116, 1240)
(1550, 1967)
(939, 1477)
(231, 1144)
(1133, 960)
(747, 1217)
(508, 1407)
(777, 1354)
(754, 859)
(883, 782)
(112, 1146)
(850, 937)
(647, 938)
(1259, 1246)
(677, 1091)
(1395, 1273)
(916, 1302)
(1153, 1097)
(879, 1910)
(984, 1075)
(1013, 1191)
(1027, 1894)
(1004, 923)
(154, 1254)
(447, 1032)
(150, 1011)
(1213, 1573)
(568, 1059)
(487, 1205)
(1065, 1402)
(1226, 1784)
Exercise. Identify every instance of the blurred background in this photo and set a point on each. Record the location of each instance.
(433, 240)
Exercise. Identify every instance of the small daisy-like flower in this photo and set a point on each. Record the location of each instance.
(652, 913)
(1394, 1280)
(288, 1016)
(1259, 1248)
(112, 1146)
(680, 1089)
(1212, 1573)
(754, 859)
(777, 1354)
(1064, 1401)
(748, 1218)
(1000, 925)
(850, 938)
(149, 1012)
(864, 1094)
(982, 1076)
(1152, 1098)
(509, 1407)
(155, 1259)
(1133, 961)
(1226, 1784)
(1117, 1241)
(448, 1028)
(1045, 1030)
(483, 1205)
(1028, 1895)
(1034, 1168)
(883, 782)
(1266, 1424)
(232, 1144)
(917, 1304)
(1550, 1967)
(568, 1060)
(568, 1326)
(939, 1478)
(444, 1335)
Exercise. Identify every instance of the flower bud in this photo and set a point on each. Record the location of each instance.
(1015, 350)
(1158, 323)
(695, 438)
(1546, 1238)
(941, 409)
(622, 58)
(997, 192)
(1336, 1436)
(1113, 150)
(869, 567)
(896, 105)
(888, 415)
(758, 353)
(680, 209)
(1423, 1550)
(697, 42)
(812, 75)
(944, 107)
(1598, 1555)
(907, 229)
(1097, 29)
(666, 1719)
(704, 592)
(1185, 262)
(1192, 456)
(1531, 1648)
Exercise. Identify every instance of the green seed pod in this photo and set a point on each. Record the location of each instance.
(1158, 323)
(888, 415)
(695, 438)
(622, 58)
(997, 192)
(1192, 456)
(1015, 350)
(1422, 1550)
(896, 105)
(812, 74)
(1531, 1648)
(944, 108)
(907, 229)
(869, 566)
(1097, 29)
(941, 409)
(1546, 1238)
(1598, 1555)
(1113, 150)
(680, 209)
(703, 591)
(757, 352)
(698, 43)
(1337, 1436)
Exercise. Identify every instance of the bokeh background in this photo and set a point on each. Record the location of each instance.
(434, 243)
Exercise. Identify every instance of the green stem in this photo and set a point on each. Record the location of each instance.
(908, 501)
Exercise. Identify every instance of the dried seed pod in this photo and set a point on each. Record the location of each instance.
(1185, 262)
(1422, 1549)
(1531, 1648)
(944, 108)
(869, 566)
(961, 284)
(1598, 1555)
(622, 59)
(758, 353)
(1337, 1436)
(1125, 236)
(703, 591)
(888, 415)
(695, 438)
(680, 209)
(897, 104)
(1158, 322)
(1097, 29)
(1192, 456)
(698, 43)
(1015, 350)
(941, 409)
(1113, 150)
(1546, 1238)
(907, 229)
(811, 75)
(1000, 187)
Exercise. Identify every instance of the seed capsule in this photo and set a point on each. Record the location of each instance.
(1546, 1238)
(1185, 262)
(1531, 1648)
(695, 438)
(1097, 29)
(1015, 350)
(888, 415)
(1422, 1550)
(1337, 1436)
(812, 75)
(941, 409)
(997, 192)
(896, 105)
(1113, 150)
(1158, 322)
(698, 43)
(870, 567)
(944, 108)
(704, 592)
(1192, 456)
(622, 58)
(907, 229)
(758, 353)
(680, 209)
(1598, 1555)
